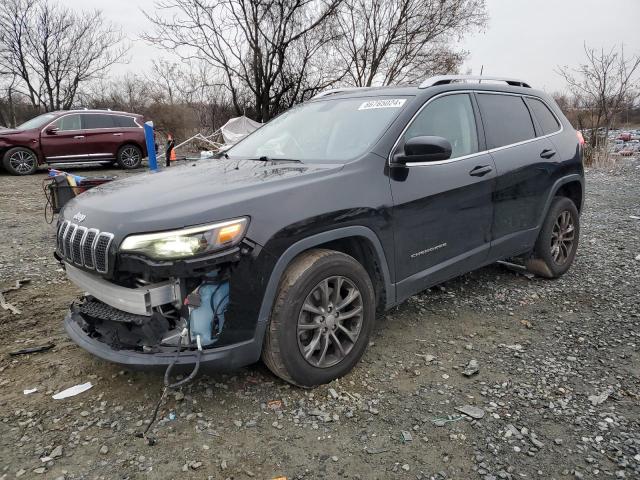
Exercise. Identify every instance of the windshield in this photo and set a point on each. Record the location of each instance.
(325, 131)
(36, 122)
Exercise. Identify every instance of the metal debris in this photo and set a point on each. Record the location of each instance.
(40, 348)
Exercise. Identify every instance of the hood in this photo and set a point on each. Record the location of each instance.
(205, 192)
(9, 131)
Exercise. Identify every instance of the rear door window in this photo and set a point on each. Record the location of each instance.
(68, 122)
(97, 120)
(547, 120)
(506, 119)
(450, 117)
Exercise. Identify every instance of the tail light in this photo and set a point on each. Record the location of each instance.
(580, 137)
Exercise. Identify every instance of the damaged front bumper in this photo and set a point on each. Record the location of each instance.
(228, 357)
(140, 323)
(138, 301)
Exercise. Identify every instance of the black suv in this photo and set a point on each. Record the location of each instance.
(287, 246)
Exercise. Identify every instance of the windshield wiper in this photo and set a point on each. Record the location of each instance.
(269, 159)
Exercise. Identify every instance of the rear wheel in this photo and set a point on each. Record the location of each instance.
(129, 157)
(557, 242)
(322, 319)
(20, 161)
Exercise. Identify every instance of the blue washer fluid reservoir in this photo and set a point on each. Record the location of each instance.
(207, 320)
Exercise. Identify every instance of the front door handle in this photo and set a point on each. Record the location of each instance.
(79, 136)
(117, 134)
(480, 171)
(547, 153)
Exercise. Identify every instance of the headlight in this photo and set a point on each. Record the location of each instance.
(187, 242)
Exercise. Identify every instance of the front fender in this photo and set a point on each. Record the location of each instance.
(312, 241)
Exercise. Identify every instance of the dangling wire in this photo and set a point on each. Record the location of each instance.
(172, 386)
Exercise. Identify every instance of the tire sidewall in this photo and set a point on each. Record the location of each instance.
(543, 245)
(298, 368)
(122, 165)
(7, 165)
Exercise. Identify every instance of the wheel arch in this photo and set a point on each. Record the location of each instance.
(357, 241)
(570, 186)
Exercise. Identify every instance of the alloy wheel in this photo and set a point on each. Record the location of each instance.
(22, 161)
(130, 157)
(330, 322)
(562, 237)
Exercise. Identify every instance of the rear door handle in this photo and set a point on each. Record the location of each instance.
(480, 171)
(547, 153)
(117, 134)
(79, 136)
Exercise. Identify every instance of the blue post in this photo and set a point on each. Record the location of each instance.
(151, 145)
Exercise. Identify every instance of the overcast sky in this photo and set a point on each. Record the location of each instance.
(525, 39)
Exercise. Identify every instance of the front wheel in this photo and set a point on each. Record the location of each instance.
(129, 157)
(20, 161)
(322, 319)
(557, 241)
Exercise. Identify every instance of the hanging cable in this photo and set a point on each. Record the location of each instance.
(172, 386)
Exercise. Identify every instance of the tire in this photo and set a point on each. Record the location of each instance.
(292, 329)
(554, 250)
(129, 157)
(20, 161)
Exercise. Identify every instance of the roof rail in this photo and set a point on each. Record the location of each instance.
(334, 91)
(447, 79)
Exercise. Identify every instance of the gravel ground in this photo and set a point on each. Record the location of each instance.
(557, 384)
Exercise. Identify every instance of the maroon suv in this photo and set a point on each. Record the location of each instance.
(74, 136)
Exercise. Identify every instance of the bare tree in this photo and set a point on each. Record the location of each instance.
(52, 51)
(396, 41)
(603, 86)
(265, 51)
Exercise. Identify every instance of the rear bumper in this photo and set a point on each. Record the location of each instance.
(229, 357)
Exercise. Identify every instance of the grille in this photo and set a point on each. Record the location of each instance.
(83, 246)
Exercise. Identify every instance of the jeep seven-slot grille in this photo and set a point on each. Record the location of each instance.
(84, 246)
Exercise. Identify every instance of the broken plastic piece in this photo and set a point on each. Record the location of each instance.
(72, 391)
(29, 391)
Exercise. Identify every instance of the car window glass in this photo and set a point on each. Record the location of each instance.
(546, 119)
(96, 120)
(450, 117)
(68, 122)
(326, 130)
(122, 121)
(506, 119)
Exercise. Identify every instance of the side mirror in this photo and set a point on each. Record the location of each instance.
(424, 149)
(51, 130)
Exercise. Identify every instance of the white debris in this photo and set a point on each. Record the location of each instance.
(72, 391)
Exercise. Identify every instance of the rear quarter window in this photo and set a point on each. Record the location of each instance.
(506, 119)
(124, 122)
(547, 120)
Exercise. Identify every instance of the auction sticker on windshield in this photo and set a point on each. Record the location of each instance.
(387, 103)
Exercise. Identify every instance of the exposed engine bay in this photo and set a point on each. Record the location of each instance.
(194, 320)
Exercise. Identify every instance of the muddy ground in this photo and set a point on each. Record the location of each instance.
(558, 381)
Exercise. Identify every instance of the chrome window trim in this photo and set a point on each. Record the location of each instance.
(477, 154)
(135, 120)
